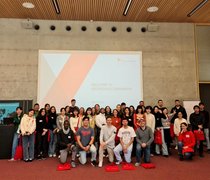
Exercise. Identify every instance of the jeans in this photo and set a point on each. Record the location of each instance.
(14, 143)
(64, 154)
(28, 147)
(83, 155)
(52, 143)
(140, 150)
(127, 155)
(164, 147)
(206, 132)
(187, 154)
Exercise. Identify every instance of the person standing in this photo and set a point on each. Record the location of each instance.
(27, 127)
(17, 133)
(52, 130)
(85, 139)
(205, 124)
(197, 121)
(126, 135)
(41, 134)
(107, 141)
(144, 139)
(178, 108)
(177, 126)
(66, 144)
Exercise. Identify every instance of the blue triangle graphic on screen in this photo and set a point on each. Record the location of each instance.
(56, 61)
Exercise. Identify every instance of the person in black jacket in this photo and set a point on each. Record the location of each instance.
(197, 122)
(16, 121)
(66, 143)
(178, 108)
(41, 134)
(205, 124)
(52, 130)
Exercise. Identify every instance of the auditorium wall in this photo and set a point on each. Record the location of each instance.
(169, 61)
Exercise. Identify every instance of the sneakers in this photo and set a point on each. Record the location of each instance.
(73, 164)
(78, 155)
(50, 155)
(93, 163)
(100, 164)
(176, 147)
(54, 155)
(30, 160)
(118, 162)
(12, 159)
(137, 164)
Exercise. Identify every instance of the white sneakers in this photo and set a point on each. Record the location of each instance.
(100, 164)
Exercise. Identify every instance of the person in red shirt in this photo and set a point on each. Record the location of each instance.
(116, 121)
(186, 142)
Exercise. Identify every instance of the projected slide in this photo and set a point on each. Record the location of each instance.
(106, 78)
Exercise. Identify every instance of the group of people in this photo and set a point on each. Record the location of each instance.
(141, 132)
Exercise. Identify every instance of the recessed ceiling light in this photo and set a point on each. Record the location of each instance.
(152, 9)
(28, 5)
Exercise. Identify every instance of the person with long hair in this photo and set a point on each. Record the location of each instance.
(127, 115)
(52, 130)
(27, 128)
(177, 123)
(116, 122)
(159, 127)
(137, 116)
(47, 108)
(61, 118)
(75, 121)
(92, 121)
(186, 142)
(166, 118)
(41, 134)
(108, 111)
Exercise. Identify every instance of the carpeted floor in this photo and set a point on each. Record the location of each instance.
(166, 168)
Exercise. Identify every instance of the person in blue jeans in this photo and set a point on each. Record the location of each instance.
(27, 127)
(144, 138)
(16, 122)
(85, 139)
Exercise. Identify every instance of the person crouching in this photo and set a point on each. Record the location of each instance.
(66, 143)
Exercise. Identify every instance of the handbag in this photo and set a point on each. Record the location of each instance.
(19, 150)
(158, 137)
(172, 134)
(199, 135)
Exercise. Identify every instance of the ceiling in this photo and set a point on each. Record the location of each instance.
(107, 10)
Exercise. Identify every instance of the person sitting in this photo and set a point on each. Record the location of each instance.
(66, 144)
(144, 138)
(107, 140)
(126, 135)
(85, 139)
(186, 142)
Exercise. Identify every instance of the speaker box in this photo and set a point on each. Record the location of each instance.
(152, 27)
(27, 24)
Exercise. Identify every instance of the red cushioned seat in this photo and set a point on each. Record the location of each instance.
(128, 166)
(148, 165)
(63, 167)
(112, 168)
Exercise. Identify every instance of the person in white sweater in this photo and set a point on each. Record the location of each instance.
(27, 128)
(100, 122)
(101, 119)
(177, 123)
(75, 120)
(107, 141)
(150, 118)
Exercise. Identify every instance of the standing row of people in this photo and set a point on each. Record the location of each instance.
(48, 124)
